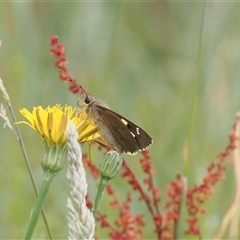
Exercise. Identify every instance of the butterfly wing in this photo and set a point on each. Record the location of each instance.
(124, 134)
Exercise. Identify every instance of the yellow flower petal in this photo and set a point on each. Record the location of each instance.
(51, 123)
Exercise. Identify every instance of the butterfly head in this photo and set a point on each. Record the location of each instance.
(85, 100)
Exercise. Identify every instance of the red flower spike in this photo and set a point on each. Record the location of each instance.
(58, 51)
(114, 203)
(202, 192)
(53, 40)
(93, 169)
(110, 190)
(129, 226)
(89, 203)
(102, 218)
(151, 199)
(165, 224)
(172, 207)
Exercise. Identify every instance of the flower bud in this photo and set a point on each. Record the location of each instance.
(111, 165)
(54, 158)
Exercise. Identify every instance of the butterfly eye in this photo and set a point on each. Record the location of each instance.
(87, 100)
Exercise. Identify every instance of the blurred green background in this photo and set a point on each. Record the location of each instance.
(141, 59)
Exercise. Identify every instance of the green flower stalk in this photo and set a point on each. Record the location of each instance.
(52, 123)
(109, 168)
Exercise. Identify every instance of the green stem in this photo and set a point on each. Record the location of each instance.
(195, 94)
(47, 180)
(102, 186)
(20, 140)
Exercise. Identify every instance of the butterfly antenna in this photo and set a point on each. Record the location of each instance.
(78, 89)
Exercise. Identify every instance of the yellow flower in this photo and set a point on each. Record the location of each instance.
(51, 123)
